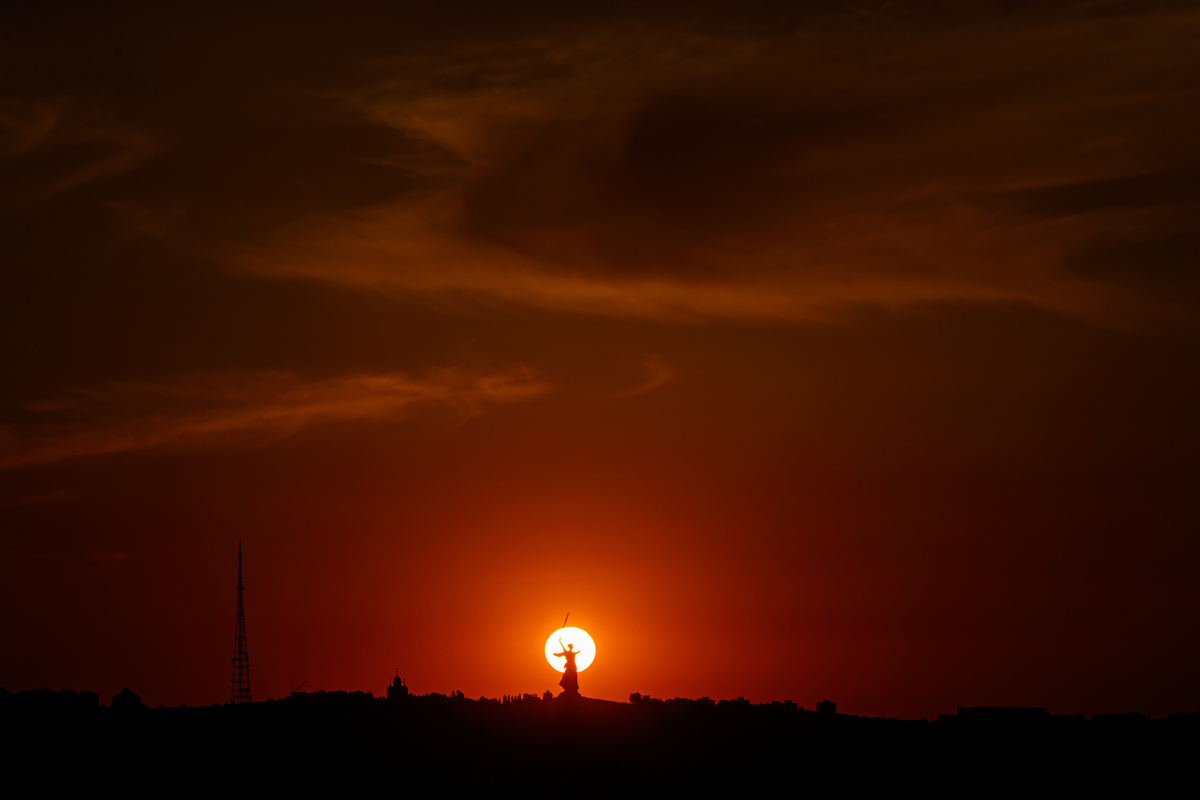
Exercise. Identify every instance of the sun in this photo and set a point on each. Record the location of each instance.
(573, 636)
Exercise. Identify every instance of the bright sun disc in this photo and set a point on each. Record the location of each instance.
(574, 636)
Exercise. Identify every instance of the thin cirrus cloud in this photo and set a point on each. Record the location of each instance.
(204, 411)
(41, 498)
(371, 250)
(51, 145)
(674, 174)
(657, 373)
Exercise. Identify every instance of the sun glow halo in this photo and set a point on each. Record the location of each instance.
(573, 636)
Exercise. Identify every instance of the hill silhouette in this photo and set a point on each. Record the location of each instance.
(531, 744)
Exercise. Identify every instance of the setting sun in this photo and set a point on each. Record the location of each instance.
(577, 638)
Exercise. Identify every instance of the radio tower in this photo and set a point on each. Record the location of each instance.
(241, 661)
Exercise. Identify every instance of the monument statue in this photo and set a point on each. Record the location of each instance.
(570, 678)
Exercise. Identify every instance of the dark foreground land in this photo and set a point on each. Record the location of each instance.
(438, 745)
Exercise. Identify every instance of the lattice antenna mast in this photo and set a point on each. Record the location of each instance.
(241, 661)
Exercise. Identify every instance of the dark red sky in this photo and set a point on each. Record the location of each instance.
(841, 352)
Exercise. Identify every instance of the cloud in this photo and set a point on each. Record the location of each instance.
(863, 261)
(25, 126)
(51, 145)
(201, 411)
(749, 164)
(657, 371)
(1135, 191)
(42, 498)
(681, 173)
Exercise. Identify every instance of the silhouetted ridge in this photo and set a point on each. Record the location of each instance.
(534, 744)
(48, 702)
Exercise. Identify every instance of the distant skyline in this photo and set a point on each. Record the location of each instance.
(829, 350)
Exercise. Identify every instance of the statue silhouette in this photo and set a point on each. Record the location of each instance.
(570, 678)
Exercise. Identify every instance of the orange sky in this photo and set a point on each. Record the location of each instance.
(839, 352)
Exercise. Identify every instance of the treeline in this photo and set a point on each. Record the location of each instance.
(349, 704)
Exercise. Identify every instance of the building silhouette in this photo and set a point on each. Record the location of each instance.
(397, 691)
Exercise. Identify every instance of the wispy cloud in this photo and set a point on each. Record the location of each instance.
(23, 126)
(676, 174)
(42, 498)
(657, 372)
(401, 252)
(55, 144)
(245, 408)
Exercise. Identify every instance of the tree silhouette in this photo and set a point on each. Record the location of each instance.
(126, 701)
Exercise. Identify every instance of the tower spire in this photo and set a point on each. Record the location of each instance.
(240, 692)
